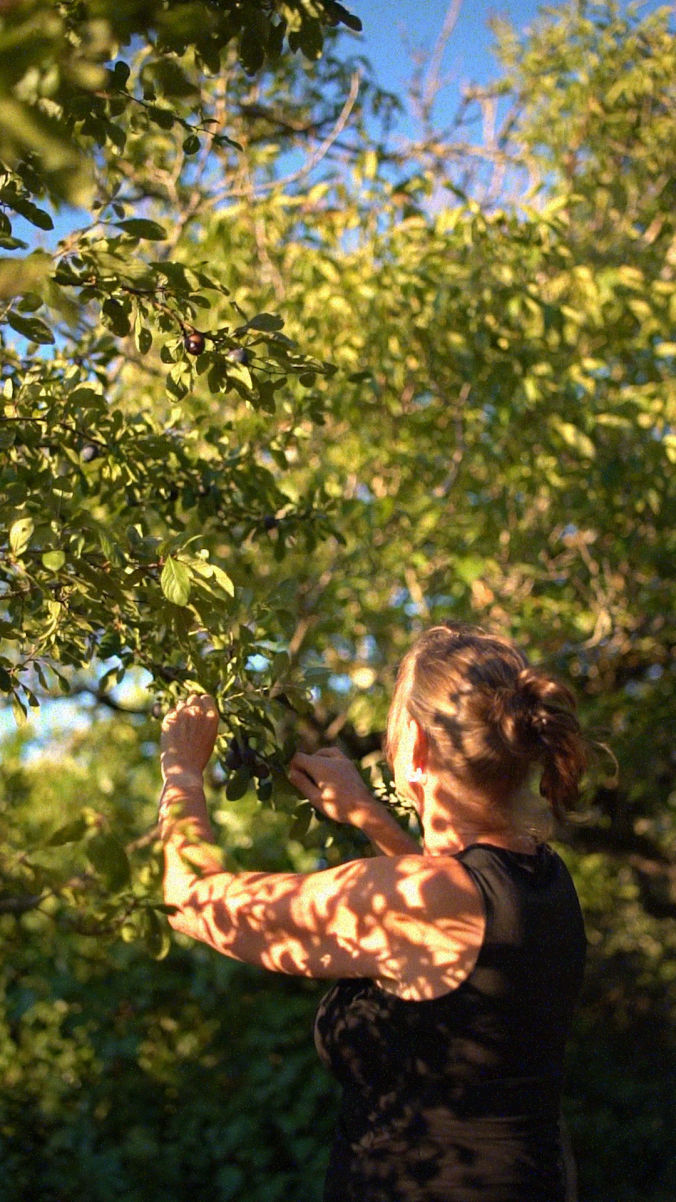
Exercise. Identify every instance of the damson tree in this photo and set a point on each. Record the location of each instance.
(132, 516)
(280, 392)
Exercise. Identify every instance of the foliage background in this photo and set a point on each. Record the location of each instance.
(435, 378)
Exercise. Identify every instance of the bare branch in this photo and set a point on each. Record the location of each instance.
(264, 189)
(432, 82)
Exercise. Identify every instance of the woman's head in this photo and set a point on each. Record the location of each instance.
(489, 718)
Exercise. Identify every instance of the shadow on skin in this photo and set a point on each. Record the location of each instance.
(413, 924)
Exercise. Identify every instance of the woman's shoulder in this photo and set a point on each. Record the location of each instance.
(439, 910)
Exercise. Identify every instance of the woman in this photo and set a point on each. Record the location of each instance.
(458, 962)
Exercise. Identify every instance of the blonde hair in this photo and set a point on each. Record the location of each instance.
(490, 718)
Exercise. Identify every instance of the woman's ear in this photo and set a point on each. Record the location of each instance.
(419, 749)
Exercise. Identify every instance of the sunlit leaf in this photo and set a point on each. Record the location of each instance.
(54, 560)
(175, 581)
(20, 534)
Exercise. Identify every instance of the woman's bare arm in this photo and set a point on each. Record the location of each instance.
(408, 920)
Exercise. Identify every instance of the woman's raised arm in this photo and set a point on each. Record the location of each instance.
(332, 784)
(407, 920)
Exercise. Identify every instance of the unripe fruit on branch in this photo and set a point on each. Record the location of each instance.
(193, 342)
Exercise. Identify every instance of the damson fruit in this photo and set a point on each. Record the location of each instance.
(270, 522)
(89, 452)
(233, 758)
(193, 342)
(261, 769)
(157, 709)
(239, 354)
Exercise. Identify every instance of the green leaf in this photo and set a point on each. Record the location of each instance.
(30, 327)
(264, 789)
(109, 859)
(238, 784)
(339, 13)
(251, 49)
(162, 117)
(20, 533)
(54, 560)
(144, 340)
(223, 580)
(301, 820)
(17, 275)
(120, 73)
(142, 227)
(576, 438)
(469, 568)
(85, 398)
(311, 39)
(72, 832)
(32, 213)
(268, 322)
(155, 934)
(118, 318)
(175, 582)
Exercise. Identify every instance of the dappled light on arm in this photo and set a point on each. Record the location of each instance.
(402, 920)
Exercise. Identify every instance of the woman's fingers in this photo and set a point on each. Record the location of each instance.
(307, 762)
(319, 792)
(189, 733)
(195, 701)
(304, 784)
(300, 760)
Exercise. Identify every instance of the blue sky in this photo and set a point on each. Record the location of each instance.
(391, 26)
(395, 32)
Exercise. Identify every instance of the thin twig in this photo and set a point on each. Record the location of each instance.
(432, 82)
(322, 150)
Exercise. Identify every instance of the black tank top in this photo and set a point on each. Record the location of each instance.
(456, 1099)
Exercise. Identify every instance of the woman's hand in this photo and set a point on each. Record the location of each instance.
(188, 736)
(332, 784)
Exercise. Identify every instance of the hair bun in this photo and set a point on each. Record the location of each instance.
(518, 715)
(551, 727)
(534, 719)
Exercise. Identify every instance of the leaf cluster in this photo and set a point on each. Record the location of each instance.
(53, 66)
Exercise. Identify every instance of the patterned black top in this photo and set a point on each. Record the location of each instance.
(457, 1098)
